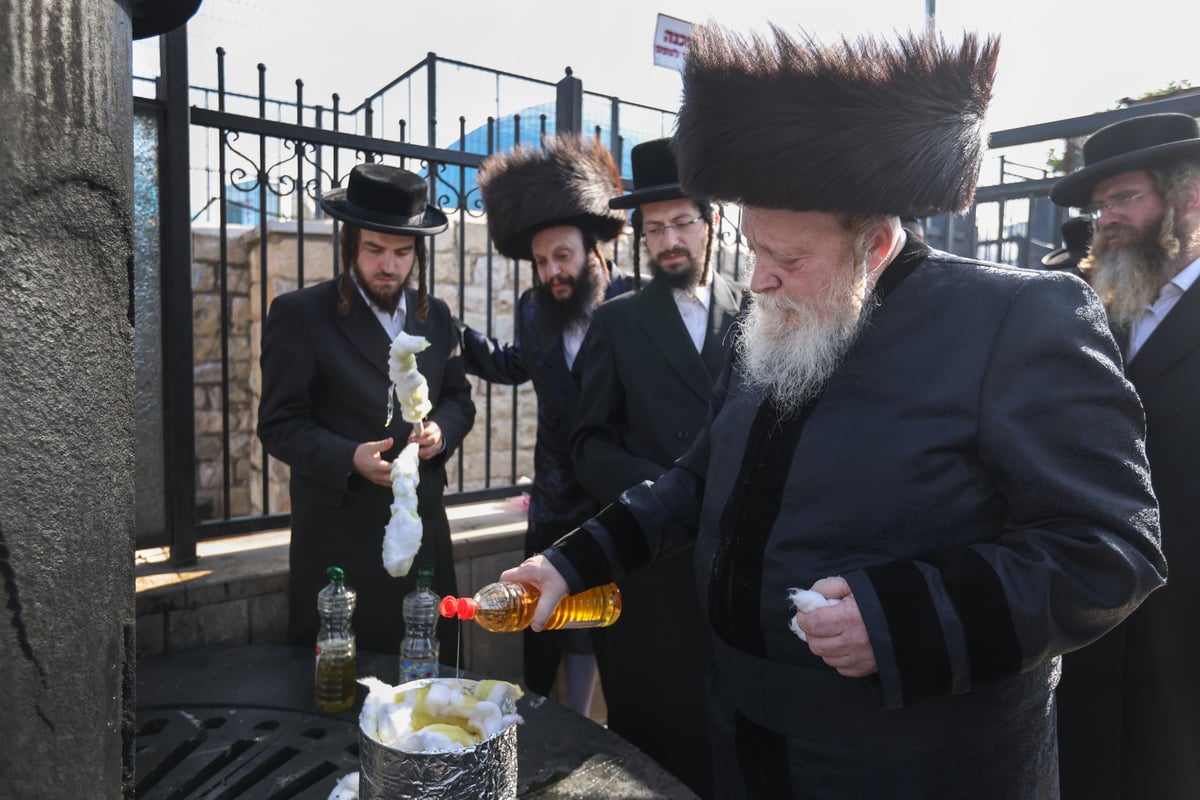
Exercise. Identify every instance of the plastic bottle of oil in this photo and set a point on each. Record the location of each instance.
(505, 607)
(336, 652)
(419, 647)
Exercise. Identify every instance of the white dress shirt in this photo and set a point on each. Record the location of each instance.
(693, 307)
(1157, 311)
(572, 338)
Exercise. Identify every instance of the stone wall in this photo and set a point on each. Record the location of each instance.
(245, 277)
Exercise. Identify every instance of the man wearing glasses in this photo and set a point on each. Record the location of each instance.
(650, 360)
(1129, 714)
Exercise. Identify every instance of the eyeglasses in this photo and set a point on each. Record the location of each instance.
(1118, 202)
(653, 231)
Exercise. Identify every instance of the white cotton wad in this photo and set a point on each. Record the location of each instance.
(378, 693)
(402, 536)
(408, 383)
(346, 789)
(439, 716)
(806, 600)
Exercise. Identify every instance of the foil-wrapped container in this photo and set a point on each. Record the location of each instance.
(487, 771)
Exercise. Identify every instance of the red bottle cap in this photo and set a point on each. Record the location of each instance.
(466, 608)
(461, 607)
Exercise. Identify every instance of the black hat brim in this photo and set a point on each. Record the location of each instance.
(1062, 257)
(648, 194)
(1075, 190)
(337, 206)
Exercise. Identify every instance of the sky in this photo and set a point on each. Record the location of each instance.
(1058, 58)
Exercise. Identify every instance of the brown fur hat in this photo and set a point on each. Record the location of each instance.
(861, 127)
(566, 182)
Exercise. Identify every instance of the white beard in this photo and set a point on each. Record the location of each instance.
(1128, 277)
(788, 349)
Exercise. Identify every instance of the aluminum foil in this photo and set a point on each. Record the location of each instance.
(487, 771)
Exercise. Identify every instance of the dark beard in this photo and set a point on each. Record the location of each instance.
(387, 303)
(1128, 277)
(554, 315)
(685, 280)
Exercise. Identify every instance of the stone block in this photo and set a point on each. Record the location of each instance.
(209, 422)
(239, 501)
(207, 372)
(218, 623)
(239, 315)
(268, 618)
(204, 278)
(206, 311)
(206, 244)
(237, 281)
(209, 472)
(206, 351)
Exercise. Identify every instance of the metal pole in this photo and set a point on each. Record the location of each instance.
(178, 404)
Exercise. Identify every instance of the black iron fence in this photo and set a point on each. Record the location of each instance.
(249, 226)
(239, 180)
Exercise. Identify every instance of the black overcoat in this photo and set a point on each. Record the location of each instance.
(975, 470)
(557, 502)
(644, 400)
(325, 391)
(1129, 704)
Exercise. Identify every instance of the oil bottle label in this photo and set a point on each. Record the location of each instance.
(413, 670)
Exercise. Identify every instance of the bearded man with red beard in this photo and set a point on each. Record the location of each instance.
(905, 505)
(1129, 713)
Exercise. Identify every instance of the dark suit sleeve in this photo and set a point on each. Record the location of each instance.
(649, 521)
(286, 424)
(455, 410)
(485, 357)
(603, 465)
(1061, 432)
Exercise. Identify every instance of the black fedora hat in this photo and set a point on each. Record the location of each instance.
(386, 200)
(1153, 140)
(1076, 236)
(655, 176)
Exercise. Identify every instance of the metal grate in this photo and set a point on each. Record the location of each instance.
(223, 752)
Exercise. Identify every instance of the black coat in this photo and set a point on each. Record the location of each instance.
(325, 391)
(975, 471)
(557, 502)
(644, 400)
(1129, 705)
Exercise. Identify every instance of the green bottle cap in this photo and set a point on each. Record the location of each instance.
(335, 574)
(424, 577)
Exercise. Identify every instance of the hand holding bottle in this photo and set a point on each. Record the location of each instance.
(508, 606)
(538, 572)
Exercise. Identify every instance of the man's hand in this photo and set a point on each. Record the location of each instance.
(369, 464)
(430, 441)
(540, 573)
(836, 633)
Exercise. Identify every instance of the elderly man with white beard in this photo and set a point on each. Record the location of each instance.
(1129, 705)
(923, 477)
